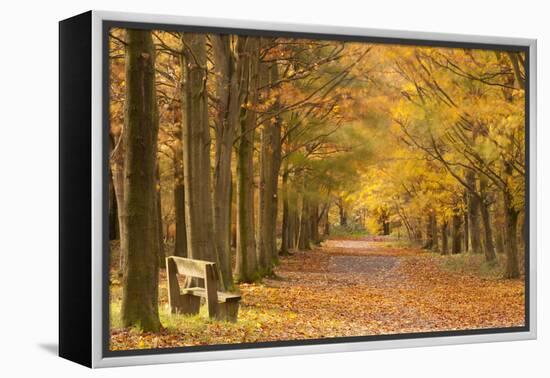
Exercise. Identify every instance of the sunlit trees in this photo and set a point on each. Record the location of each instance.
(465, 109)
(267, 144)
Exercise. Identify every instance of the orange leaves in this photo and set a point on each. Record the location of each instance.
(347, 288)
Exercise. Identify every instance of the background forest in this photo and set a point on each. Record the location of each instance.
(247, 151)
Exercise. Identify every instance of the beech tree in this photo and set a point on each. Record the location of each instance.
(196, 150)
(139, 237)
(247, 263)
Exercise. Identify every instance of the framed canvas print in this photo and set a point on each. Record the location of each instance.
(233, 189)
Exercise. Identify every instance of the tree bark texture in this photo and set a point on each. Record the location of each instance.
(473, 213)
(444, 237)
(246, 267)
(158, 212)
(510, 239)
(305, 226)
(229, 80)
(139, 243)
(456, 239)
(270, 162)
(196, 151)
(180, 245)
(488, 245)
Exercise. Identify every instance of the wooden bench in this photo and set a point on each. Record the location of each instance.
(221, 305)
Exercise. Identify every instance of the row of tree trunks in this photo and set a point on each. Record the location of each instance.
(139, 236)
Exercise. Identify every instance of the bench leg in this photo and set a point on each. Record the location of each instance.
(228, 311)
(189, 304)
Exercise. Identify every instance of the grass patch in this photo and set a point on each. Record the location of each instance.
(254, 324)
(473, 265)
(397, 243)
(348, 232)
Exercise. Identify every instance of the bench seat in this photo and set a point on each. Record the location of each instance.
(222, 296)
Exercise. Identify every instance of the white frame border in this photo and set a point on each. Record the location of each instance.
(97, 177)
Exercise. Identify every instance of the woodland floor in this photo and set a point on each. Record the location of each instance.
(358, 287)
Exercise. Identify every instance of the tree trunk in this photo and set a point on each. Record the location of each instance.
(314, 222)
(196, 151)
(246, 269)
(500, 240)
(139, 246)
(456, 240)
(295, 222)
(285, 238)
(305, 227)
(466, 234)
(488, 246)
(270, 162)
(180, 245)
(435, 242)
(113, 207)
(159, 232)
(275, 165)
(117, 167)
(343, 215)
(263, 245)
(386, 228)
(429, 232)
(228, 66)
(473, 214)
(511, 246)
(326, 223)
(444, 239)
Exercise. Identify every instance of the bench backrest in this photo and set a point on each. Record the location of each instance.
(190, 267)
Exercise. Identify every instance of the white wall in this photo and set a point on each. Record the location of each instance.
(28, 204)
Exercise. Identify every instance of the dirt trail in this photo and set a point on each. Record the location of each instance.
(370, 287)
(367, 262)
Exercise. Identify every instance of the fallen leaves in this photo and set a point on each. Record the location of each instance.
(331, 292)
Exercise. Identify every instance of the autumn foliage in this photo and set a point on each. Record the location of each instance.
(343, 188)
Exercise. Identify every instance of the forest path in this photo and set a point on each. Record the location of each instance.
(360, 287)
(365, 257)
(374, 286)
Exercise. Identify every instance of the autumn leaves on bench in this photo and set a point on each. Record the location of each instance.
(221, 305)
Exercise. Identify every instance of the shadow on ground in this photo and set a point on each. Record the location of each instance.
(51, 348)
